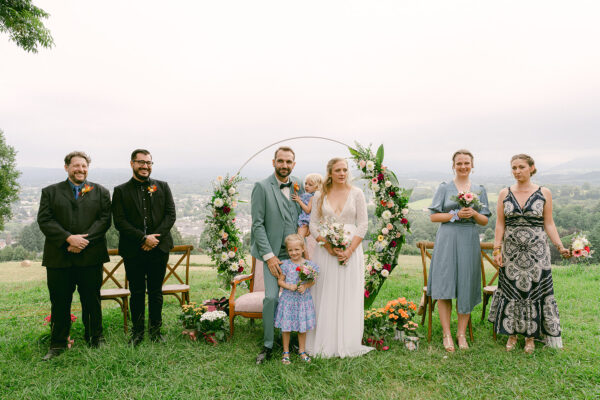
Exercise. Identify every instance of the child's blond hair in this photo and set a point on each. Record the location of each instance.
(315, 178)
(294, 237)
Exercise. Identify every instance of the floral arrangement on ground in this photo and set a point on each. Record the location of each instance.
(200, 320)
(392, 321)
(391, 211)
(225, 245)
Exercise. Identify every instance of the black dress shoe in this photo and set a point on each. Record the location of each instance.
(158, 338)
(265, 355)
(53, 352)
(135, 340)
(97, 342)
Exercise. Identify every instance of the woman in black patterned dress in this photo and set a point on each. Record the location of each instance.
(524, 301)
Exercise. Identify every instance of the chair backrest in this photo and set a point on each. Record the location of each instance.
(185, 251)
(109, 274)
(485, 256)
(258, 281)
(425, 254)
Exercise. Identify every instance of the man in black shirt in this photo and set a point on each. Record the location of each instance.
(144, 213)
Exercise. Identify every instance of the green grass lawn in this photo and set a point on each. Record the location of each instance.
(181, 369)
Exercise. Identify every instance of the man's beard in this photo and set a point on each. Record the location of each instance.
(278, 172)
(141, 178)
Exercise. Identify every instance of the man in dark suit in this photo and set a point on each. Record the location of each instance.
(144, 213)
(74, 215)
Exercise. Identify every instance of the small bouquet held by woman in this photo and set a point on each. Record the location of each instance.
(335, 234)
(468, 199)
(580, 247)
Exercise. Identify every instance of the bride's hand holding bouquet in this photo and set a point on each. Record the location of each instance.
(337, 238)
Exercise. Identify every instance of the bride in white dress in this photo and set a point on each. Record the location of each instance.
(339, 289)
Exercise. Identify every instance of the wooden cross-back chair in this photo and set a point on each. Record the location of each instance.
(249, 305)
(425, 248)
(180, 290)
(489, 288)
(121, 293)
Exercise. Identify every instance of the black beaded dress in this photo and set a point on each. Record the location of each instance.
(524, 301)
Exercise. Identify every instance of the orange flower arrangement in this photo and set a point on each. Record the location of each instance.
(296, 187)
(152, 189)
(400, 311)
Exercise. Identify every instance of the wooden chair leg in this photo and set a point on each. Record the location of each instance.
(470, 328)
(425, 308)
(231, 317)
(429, 319)
(485, 301)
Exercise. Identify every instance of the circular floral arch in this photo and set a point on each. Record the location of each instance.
(226, 247)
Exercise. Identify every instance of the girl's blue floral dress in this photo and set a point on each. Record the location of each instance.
(304, 218)
(295, 311)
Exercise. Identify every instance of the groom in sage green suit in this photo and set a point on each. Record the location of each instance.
(274, 216)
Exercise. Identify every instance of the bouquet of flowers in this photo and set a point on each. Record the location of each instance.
(580, 247)
(306, 273)
(377, 328)
(335, 234)
(400, 311)
(468, 199)
(190, 314)
(212, 326)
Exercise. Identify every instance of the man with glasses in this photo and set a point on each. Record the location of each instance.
(74, 216)
(144, 213)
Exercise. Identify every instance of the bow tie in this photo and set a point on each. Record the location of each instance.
(285, 185)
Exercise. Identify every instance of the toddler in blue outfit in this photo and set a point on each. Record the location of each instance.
(312, 183)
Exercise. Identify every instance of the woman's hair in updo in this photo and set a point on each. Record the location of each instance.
(527, 158)
(462, 151)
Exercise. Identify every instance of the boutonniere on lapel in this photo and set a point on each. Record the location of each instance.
(86, 188)
(296, 188)
(152, 189)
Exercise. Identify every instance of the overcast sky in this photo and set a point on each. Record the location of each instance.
(209, 83)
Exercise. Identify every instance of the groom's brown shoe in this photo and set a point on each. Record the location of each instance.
(264, 355)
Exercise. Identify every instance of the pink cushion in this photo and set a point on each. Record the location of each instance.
(259, 280)
(250, 302)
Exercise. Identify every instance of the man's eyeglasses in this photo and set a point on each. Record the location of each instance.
(142, 162)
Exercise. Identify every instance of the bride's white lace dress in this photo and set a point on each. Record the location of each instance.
(339, 289)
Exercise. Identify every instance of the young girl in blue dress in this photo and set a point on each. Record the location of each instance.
(312, 183)
(295, 311)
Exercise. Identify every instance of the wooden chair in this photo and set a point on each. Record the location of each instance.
(249, 305)
(180, 290)
(121, 293)
(488, 288)
(424, 247)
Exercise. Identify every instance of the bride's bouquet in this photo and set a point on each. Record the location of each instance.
(306, 273)
(468, 199)
(335, 234)
(580, 247)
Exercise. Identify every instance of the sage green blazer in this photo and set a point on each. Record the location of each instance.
(267, 211)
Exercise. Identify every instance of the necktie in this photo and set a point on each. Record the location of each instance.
(77, 191)
(284, 185)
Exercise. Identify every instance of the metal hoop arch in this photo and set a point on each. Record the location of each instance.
(285, 140)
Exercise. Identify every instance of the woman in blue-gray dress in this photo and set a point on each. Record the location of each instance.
(455, 271)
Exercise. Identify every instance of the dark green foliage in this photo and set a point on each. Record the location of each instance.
(22, 21)
(32, 238)
(9, 187)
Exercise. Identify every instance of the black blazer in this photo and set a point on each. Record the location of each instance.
(128, 216)
(60, 216)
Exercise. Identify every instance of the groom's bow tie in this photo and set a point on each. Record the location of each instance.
(285, 185)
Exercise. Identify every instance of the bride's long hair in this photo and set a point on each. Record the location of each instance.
(328, 182)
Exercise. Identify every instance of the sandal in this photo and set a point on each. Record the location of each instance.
(306, 358)
(529, 345)
(511, 342)
(286, 359)
(462, 344)
(449, 347)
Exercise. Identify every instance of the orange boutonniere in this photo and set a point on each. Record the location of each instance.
(296, 187)
(152, 189)
(86, 188)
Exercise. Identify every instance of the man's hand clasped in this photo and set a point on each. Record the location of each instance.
(151, 242)
(77, 243)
